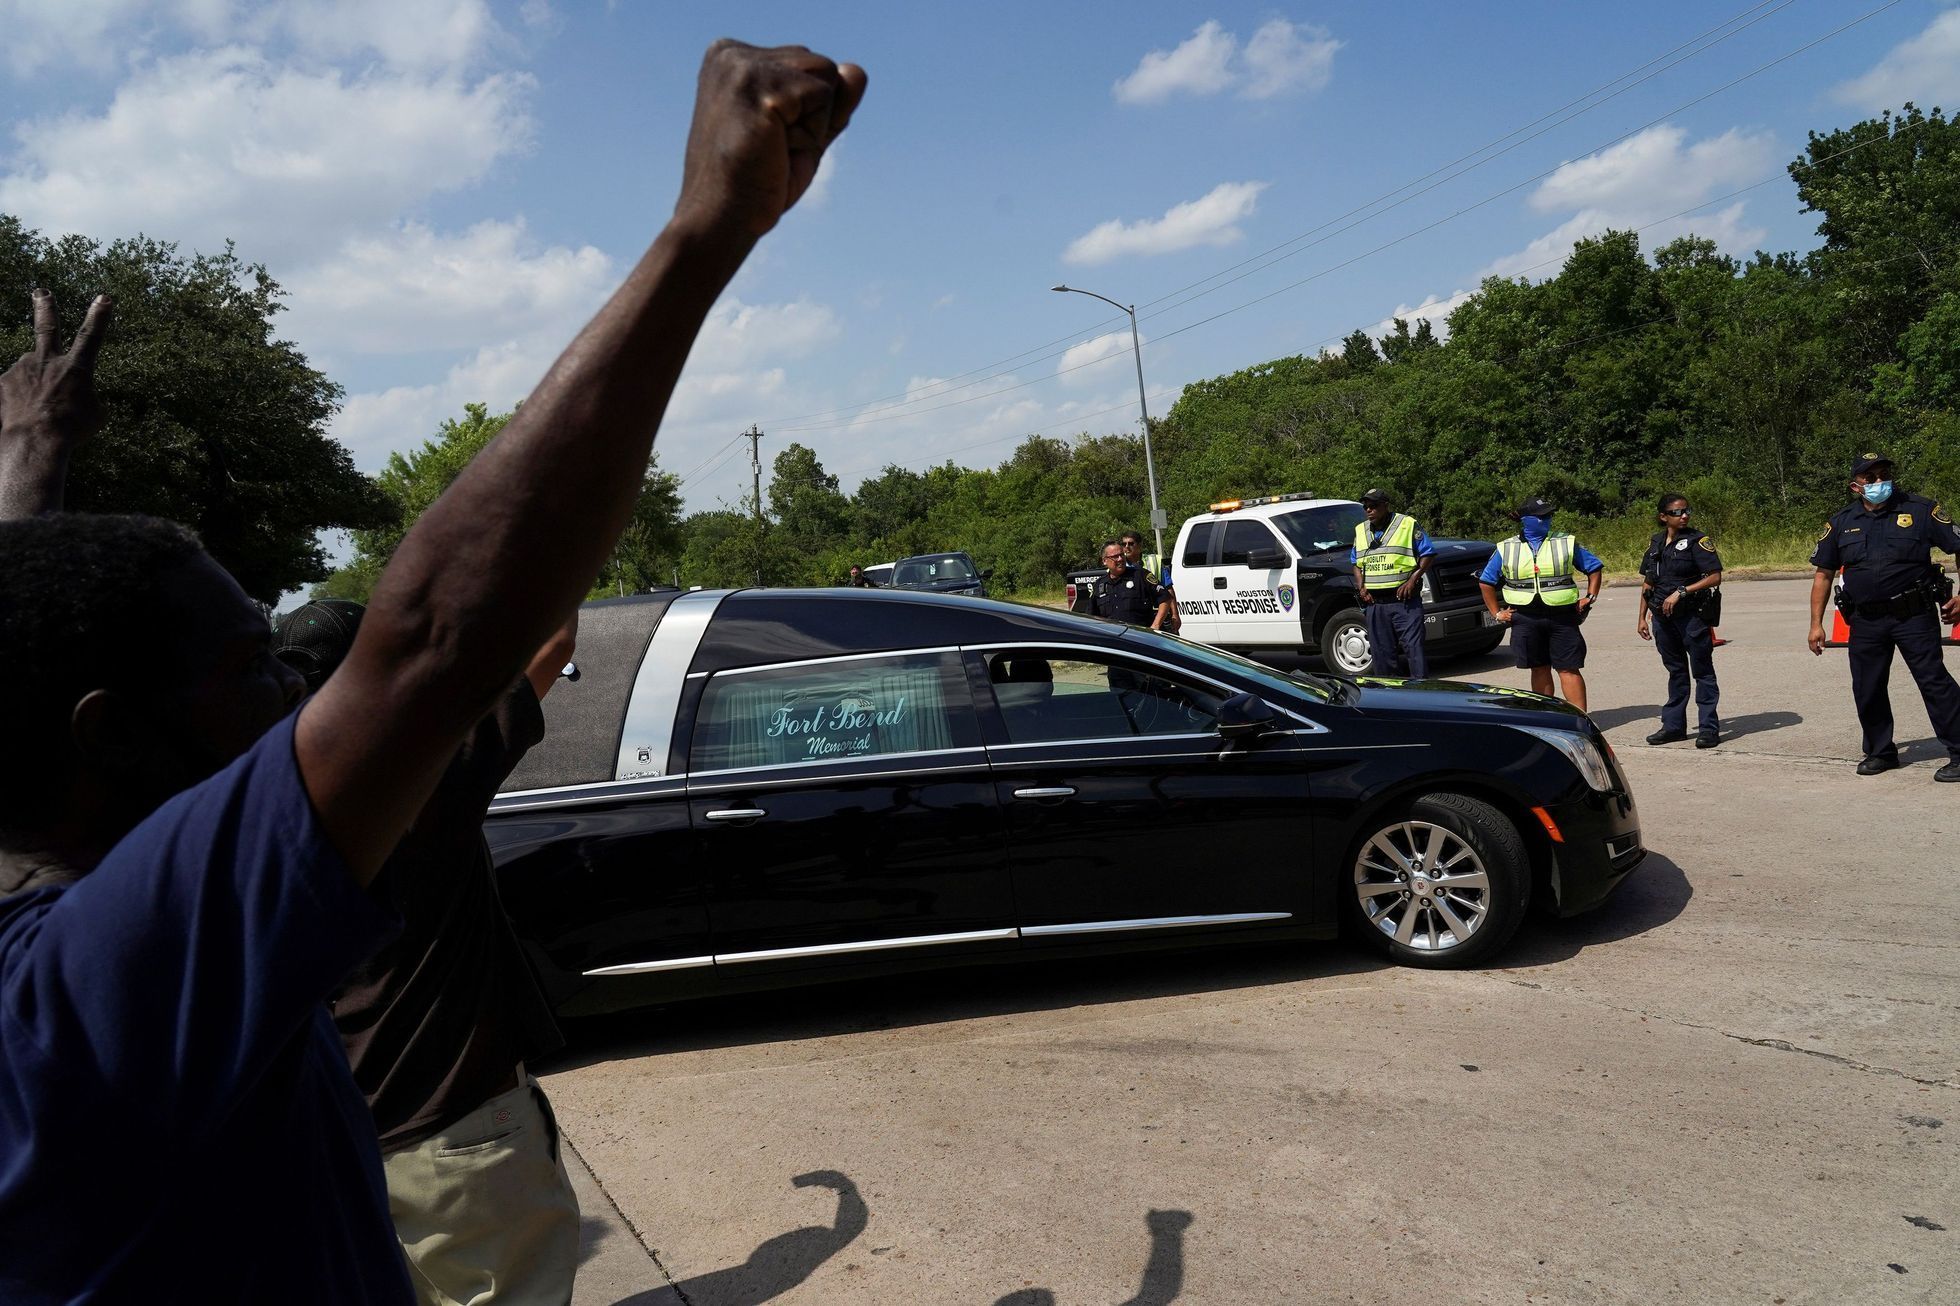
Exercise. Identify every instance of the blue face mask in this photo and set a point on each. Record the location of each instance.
(1535, 528)
(1877, 492)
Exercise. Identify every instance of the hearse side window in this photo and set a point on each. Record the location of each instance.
(1197, 549)
(1044, 699)
(1241, 539)
(833, 711)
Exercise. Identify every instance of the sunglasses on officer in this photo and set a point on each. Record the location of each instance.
(1679, 510)
(1132, 544)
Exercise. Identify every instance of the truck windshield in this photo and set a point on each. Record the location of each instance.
(1316, 530)
(924, 571)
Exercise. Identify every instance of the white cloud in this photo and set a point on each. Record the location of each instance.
(1435, 308)
(1652, 171)
(1283, 57)
(1210, 220)
(1925, 69)
(1200, 66)
(737, 362)
(1640, 184)
(97, 34)
(424, 34)
(224, 143)
(1094, 362)
(409, 287)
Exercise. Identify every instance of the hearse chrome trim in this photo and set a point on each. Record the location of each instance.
(837, 657)
(1307, 725)
(582, 795)
(648, 727)
(866, 945)
(762, 781)
(839, 761)
(1152, 923)
(648, 967)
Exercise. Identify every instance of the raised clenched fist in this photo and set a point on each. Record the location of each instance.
(762, 120)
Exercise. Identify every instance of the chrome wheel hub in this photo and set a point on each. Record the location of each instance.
(1350, 650)
(1422, 885)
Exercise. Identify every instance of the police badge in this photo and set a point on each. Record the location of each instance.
(1905, 520)
(1286, 598)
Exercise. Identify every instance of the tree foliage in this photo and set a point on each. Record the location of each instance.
(647, 554)
(211, 421)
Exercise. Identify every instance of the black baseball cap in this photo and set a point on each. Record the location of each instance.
(1864, 462)
(314, 637)
(1535, 507)
(1374, 496)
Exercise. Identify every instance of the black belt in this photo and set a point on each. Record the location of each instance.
(1909, 604)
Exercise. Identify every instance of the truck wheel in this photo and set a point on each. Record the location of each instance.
(1443, 881)
(1344, 643)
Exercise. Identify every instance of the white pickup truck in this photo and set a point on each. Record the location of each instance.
(1272, 575)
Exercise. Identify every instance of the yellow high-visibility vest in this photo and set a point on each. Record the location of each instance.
(1541, 573)
(1386, 565)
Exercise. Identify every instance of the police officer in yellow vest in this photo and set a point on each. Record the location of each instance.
(1539, 572)
(1390, 556)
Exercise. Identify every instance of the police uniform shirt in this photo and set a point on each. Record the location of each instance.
(1677, 565)
(1133, 597)
(1884, 550)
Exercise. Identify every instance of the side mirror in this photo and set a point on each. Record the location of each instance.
(1244, 715)
(988, 574)
(1267, 560)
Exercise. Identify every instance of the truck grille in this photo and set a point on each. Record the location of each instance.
(1454, 583)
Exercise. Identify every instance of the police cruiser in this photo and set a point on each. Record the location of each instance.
(1272, 574)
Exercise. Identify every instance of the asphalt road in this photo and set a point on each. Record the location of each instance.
(1739, 1081)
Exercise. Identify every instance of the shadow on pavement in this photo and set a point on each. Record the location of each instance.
(779, 1264)
(933, 997)
(1163, 1273)
(1757, 723)
(1653, 895)
(1606, 718)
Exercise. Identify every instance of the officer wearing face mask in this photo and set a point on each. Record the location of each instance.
(1536, 573)
(1893, 597)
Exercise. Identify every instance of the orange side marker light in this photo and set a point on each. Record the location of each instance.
(1551, 826)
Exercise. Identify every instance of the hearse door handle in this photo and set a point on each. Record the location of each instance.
(1049, 793)
(737, 814)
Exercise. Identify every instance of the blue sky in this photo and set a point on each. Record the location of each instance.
(448, 187)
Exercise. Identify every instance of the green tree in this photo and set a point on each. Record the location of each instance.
(412, 481)
(211, 421)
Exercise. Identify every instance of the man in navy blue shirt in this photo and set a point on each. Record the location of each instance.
(176, 1120)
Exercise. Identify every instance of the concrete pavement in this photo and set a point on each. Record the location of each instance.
(1738, 1081)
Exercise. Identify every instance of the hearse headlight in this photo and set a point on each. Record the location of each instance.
(1579, 750)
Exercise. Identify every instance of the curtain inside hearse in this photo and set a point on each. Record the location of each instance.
(829, 712)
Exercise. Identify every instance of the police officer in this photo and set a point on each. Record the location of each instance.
(1390, 556)
(859, 580)
(1680, 570)
(1125, 593)
(1542, 605)
(1133, 557)
(1891, 599)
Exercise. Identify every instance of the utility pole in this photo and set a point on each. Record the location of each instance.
(754, 437)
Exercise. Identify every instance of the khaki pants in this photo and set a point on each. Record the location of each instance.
(484, 1208)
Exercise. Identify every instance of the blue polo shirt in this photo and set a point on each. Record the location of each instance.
(177, 1120)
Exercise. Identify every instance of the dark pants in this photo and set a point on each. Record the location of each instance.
(1918, 640)
(1686, 643)
(1395, 636)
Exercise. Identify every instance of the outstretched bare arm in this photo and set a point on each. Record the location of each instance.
(496, 565)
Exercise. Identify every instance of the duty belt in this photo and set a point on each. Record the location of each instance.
(1909, 604)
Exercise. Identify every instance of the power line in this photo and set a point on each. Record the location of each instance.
(944, 387)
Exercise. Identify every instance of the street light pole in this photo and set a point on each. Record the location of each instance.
(1157, 519)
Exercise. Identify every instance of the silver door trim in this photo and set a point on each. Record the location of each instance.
(1307, 724)
(655, 700)
(648, 967)
(1046, 791)
(1152, 923)
(838, 762)
(838, 657)
(867, 945)
(767, 780)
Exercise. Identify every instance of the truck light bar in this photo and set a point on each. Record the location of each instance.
(1233, 505)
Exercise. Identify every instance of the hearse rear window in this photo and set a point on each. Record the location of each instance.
(833, 711)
